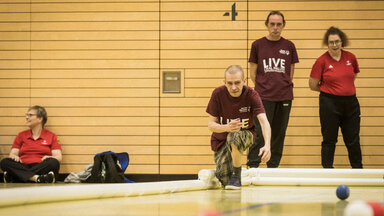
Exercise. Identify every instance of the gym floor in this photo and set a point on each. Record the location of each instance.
(250, 200)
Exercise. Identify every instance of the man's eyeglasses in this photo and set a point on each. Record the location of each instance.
(336, 42)
(29, 115)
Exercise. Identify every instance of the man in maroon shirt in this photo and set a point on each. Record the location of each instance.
(272, 63)
(231, 110)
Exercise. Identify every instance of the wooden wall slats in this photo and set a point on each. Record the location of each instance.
(322, 24)
(293, 121)
(93, 102)
(298, 82)
(15, 8)
(95, 17)
(94, 83)
(300, 140)
(198, 6)
(203, 44)
(364, 73)
(14, 102)
(91, 1)
(186, 140)
(11, 44)
(88, 130)
(100, 111)
(82, 54)
(15, 93)
(132, 169)
(116, 28)
(15, 31)
(15, 54)
(367, 14)
(107, 73)
(94, 45)
(207, 63)
(302, 159)
(317, 34)
(304, 101)
(299, 73)
(260, 15)
(88, 159)
(235, 44)
(95, 7)
(92, 92)
(315, 5)
(15, 83)
(95, 65)
(207, 25)
(88, 64)
(359, 53)
(134, 150)
(294, 131)
(105, 140)
(89, 121)
(139, 35)
(198, 140)
(203, 54)
(204, 35)
(302, 163)
(298, 92)
(234, 54)
(297, 111)
(181, 169)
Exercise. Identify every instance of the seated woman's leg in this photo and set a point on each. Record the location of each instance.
(16, 171)
(46, 166)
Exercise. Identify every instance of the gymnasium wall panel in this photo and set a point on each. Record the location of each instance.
(96, 66)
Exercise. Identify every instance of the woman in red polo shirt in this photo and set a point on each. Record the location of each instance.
(35, 155)
(333, 75)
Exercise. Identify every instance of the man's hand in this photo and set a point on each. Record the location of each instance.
(15, 158)
(234, 125)
(45, 157)
(265, 152)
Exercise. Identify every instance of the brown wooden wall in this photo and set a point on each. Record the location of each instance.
(96, 66)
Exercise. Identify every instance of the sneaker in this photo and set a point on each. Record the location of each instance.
(234, 183)
(46, 178)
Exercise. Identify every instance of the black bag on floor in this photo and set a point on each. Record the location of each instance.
(106, 169)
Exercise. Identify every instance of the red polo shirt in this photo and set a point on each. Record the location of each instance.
(31, 150)
(337, 77)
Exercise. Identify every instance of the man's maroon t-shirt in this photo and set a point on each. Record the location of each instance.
(226, 108)
(274, 60)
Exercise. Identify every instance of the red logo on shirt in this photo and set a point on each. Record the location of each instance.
(44, 142)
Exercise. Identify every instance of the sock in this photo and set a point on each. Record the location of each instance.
(237, 171)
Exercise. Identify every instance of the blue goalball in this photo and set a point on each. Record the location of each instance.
(342, 192)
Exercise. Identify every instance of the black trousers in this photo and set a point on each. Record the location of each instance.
(278, 117)
(20, 172)
(343, 112)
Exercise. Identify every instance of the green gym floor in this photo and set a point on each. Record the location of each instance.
(250, 200)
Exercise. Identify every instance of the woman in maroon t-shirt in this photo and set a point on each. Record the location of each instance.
(333, 75)
(36, 154)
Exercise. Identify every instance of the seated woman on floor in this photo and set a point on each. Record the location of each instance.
(35, 155)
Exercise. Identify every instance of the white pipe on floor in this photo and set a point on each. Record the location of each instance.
(207, 180)
(54, 193)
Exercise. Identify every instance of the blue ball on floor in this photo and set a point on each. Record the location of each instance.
(342, 192)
